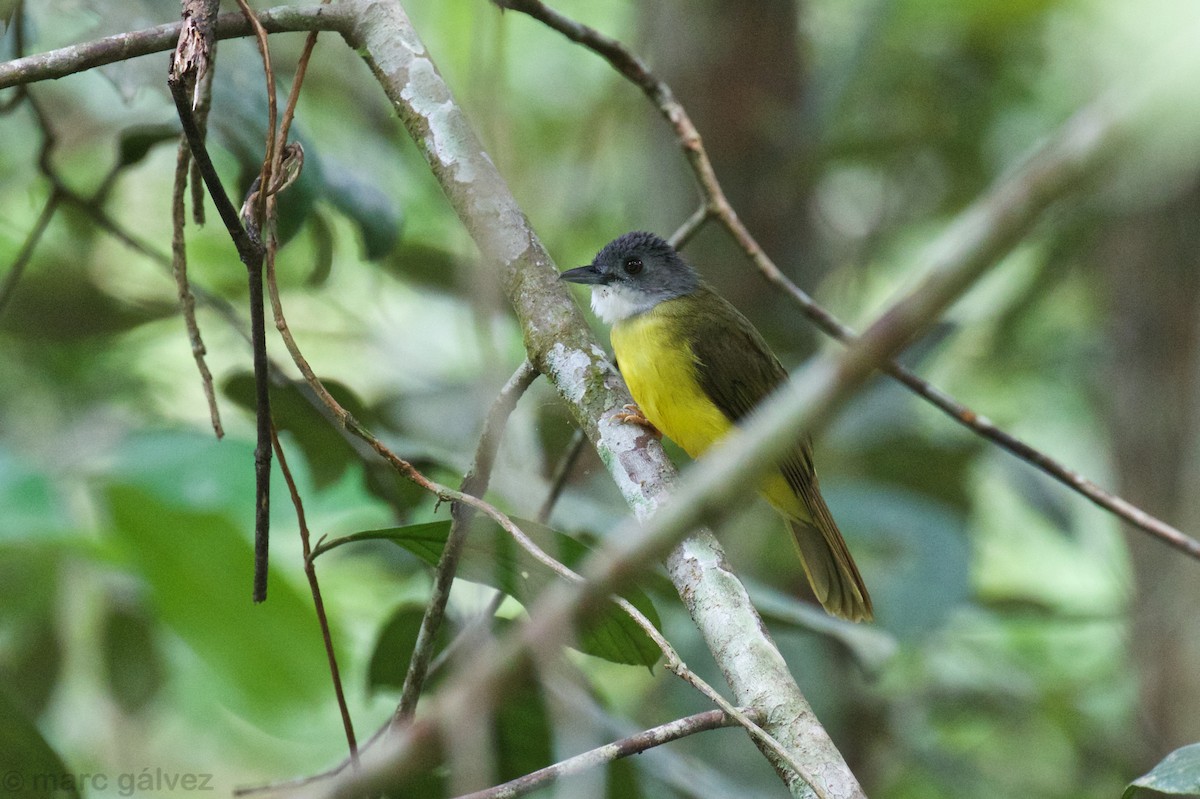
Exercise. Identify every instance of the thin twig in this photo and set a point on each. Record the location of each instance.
(690, 227)
(561, 473)
(717, 206)
(258, 217)
(187, 302)
(251, 254)
(675, 664)
(289, 110)
(310, 571)
(631, 745)
(26, 252)
(475, 483)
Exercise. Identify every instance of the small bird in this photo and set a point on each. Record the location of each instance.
(696, 367)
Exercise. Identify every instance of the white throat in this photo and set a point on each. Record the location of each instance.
(615, 303)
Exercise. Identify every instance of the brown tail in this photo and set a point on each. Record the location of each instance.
(830, 568)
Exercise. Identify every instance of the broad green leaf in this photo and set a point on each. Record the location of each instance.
(913, 553)
(198, 568)
(624, 779)
(132, 661)
(321, 233)
(32, 507)
(524, 742)
(492, 558)
(364, 203)
(1178, 774)
(31, 660)
(65, 305)
(395, 645)
(325, 450)
(431, 266)
(135, 143)
(29, 767)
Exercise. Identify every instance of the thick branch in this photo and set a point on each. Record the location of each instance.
(124, 46)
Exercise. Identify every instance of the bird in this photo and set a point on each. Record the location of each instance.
(696, 368)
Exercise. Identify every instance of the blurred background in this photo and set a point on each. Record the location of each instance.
(1027, 644)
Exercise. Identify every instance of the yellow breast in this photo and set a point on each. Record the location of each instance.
(660, 369)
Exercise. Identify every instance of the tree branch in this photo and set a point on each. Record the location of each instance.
(124, 46)
(632, 745)
(251, 254)
(475, 483)
(314, 586)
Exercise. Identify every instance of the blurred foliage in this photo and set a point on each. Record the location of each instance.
(491, 557)
(1001, 663)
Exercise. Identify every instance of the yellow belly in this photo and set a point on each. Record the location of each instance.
(660, 370)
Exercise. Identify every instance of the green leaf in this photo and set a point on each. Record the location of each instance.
(624, 779)
(395, 645)
(325, 450)
(1177, 774)
(135, 143)
(198, 568)
(427, 265)
(62, 305)
(30, 667)
(366, 205)
(30, 768)
(492, 558)
(33, 510)
(321, 233)
(917, 546)
(132, 661)
(524, 741)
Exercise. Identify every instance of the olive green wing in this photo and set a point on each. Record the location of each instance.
(734, 365)
(737, 370)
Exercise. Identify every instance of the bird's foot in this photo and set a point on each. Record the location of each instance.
(633, 414)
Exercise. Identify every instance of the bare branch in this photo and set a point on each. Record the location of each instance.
(13, 277)
(251, 254)
(475, 483)
(187, 301)
(560, 345)
(632, 745)
(124, 46)
(310, 571)
(558, 480)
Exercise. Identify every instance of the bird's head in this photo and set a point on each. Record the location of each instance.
(632, 274)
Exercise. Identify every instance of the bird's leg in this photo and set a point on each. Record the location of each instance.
(633, 414)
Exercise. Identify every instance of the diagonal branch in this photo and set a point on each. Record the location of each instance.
(632, 745)
(475, 483)
(716, 206)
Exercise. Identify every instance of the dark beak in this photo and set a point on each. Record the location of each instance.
(588, 275)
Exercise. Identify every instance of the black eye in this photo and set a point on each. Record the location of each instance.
(633, 266)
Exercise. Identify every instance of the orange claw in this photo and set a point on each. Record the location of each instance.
(633, 414)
